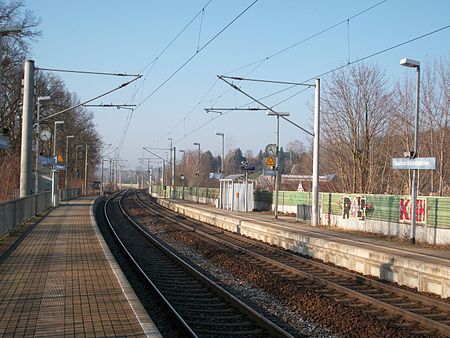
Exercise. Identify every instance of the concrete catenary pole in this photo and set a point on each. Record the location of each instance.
(173, 172)
(27, 129)
(315, 188)
(198, 171)
(171, 166)
(277, 169)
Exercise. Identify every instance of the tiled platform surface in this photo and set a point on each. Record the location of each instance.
(62, 281)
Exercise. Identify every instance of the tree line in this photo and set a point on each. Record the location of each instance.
(78, 122)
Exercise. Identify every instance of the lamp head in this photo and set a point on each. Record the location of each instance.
(59, 122)
(44, 98)
(10, 30)
(70, 136)
(218, 133)
(410, 63)
(196, 144)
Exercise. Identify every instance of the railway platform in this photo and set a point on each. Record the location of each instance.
(60, 279)
(426, 269)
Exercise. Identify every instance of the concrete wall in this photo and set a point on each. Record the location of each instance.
(15, 212)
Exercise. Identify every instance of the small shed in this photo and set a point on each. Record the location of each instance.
(236, 193)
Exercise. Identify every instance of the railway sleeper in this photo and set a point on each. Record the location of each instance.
(392, 300)
(438, 316)
(358, 305)
(215, 333)
(189, 297)
(224, 311)
(238, 324)
(422, 310)
(405, 325)
(231, 317)
(385, 295)
(424, 333)
(179, 299)
(388, 317)
(202, 305)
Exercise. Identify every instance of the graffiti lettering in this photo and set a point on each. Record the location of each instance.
(406, 206)
(404, 209)
(355, 208)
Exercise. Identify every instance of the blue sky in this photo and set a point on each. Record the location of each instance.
(126, 36)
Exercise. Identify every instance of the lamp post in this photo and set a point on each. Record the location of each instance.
(218, 133)
(182, 173)
(198, 170)
(277, 171)
(414, 64)
(102, 183)
(36, 180)
(77, 173)
(54, 171)
(67, 160)
(315, 209)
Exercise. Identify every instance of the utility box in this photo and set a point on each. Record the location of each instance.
(303, 212)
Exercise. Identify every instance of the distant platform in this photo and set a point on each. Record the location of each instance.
(423, 268)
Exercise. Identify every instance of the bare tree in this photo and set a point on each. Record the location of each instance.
(355, 108)
(435, 109)
(78, 122)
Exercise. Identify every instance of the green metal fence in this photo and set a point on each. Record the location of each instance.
(189, 192)
(386, 208)
(376, 207)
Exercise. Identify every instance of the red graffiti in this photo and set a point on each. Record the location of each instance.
(421, 211)
(405, 210)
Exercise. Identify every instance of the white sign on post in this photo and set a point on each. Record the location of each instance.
(420, 163)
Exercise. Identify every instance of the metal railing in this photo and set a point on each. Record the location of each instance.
(68, 194)
(15, 212)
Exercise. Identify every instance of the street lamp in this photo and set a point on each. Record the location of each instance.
(414, 64)
(277, 171)
(198, 169)
(77, 173)
(218, 133)
(54, 171)
(36, 181)
(67, 160)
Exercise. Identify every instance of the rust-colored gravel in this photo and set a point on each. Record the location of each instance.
(334, 317)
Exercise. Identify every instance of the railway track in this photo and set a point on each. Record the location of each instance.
(417, 313)
(199, 306)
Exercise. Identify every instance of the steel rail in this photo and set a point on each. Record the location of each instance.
(263, 322)
(428, 323)
(175, 315)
